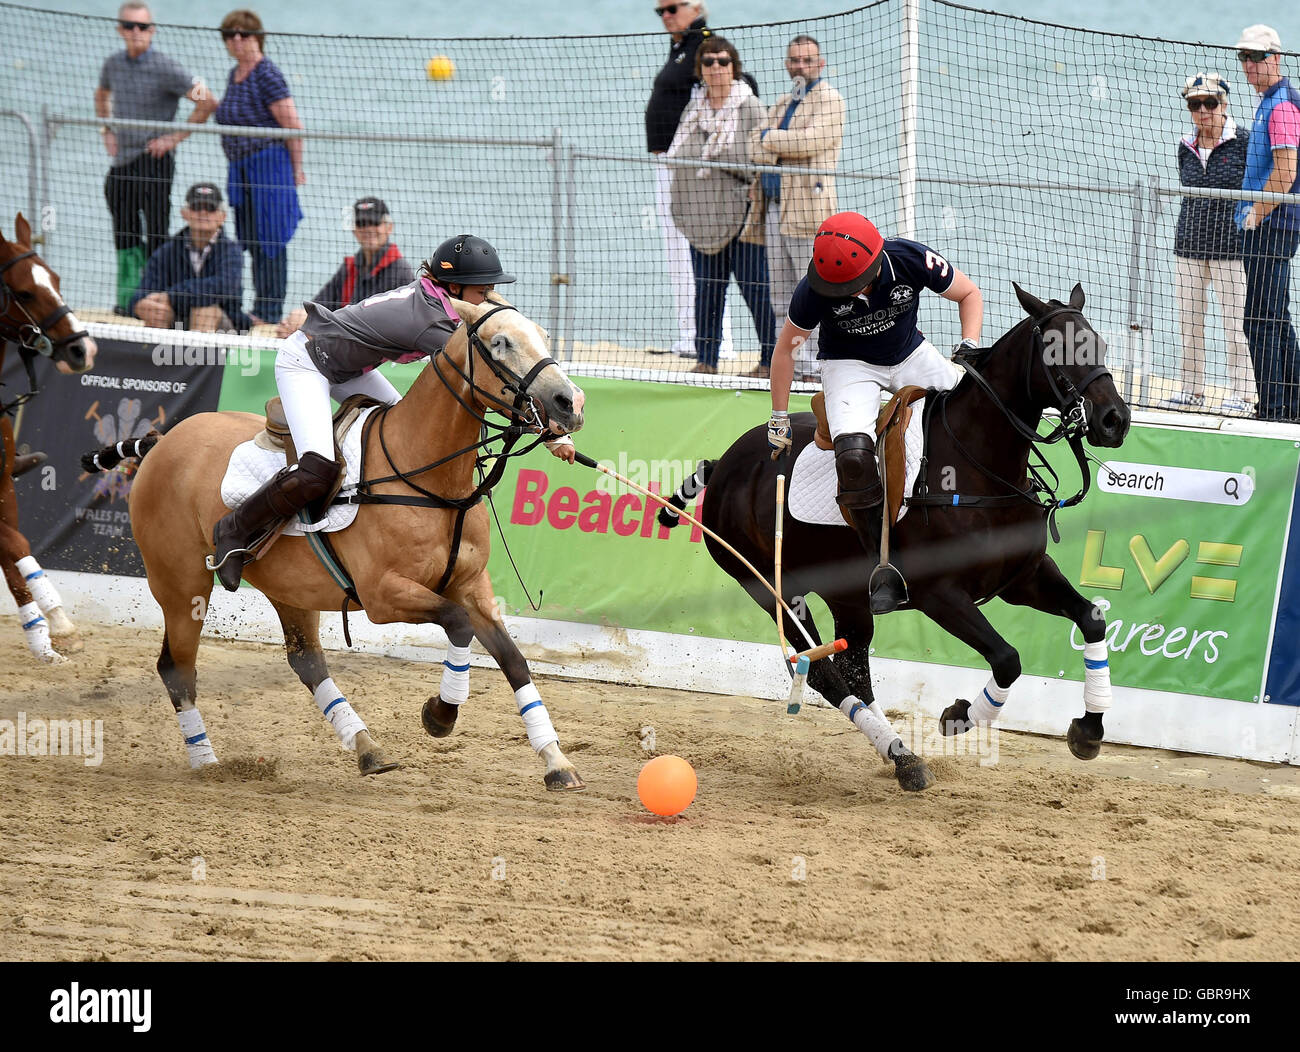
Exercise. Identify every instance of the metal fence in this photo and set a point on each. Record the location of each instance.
(1023, 151)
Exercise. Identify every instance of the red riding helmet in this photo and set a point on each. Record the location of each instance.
(847, 251)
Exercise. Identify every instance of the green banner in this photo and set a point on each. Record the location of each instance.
(1182, 541)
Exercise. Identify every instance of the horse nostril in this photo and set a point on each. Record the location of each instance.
(564, 403)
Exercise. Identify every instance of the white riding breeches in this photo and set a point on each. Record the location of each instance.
(305, 395)
(852, 388)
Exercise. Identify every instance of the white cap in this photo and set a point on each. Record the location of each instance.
(1199, 84)
(1260, 38)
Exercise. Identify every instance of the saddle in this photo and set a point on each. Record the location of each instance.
(891, 432)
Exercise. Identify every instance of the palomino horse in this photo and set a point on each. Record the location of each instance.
(413, 560)
(34, 317)
(980, 532)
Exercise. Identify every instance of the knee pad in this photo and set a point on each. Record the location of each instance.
(855, 467)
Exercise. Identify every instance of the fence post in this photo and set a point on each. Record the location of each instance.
(1148, 270)
(557, 228)
(48, 129)
(907, 128)
(1134, 360)
(570, 220)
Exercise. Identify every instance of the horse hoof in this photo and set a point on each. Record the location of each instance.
(564, 780)
(955, 719)
(371, 758)
(438, 717)
(65, 645)
(912, 772)
(1081, 742)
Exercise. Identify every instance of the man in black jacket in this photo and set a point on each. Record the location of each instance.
(671, 92)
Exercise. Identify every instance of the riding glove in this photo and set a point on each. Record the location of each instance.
(778, 432)
(966, 345)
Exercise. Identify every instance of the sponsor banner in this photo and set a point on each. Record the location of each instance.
(76, 521)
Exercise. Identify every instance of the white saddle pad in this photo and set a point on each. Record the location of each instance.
(251, 466)
(814, 484)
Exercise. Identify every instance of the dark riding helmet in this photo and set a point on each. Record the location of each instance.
(847, 251)
(467, 260)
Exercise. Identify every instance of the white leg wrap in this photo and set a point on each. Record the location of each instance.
(988, 706)
(196, 738)
(41, 587)
(37, 631)
(454, 689)
(335, 708)
(873, 725)
(537, 721)
(1096, 677)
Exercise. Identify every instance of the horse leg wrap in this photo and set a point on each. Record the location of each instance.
(37, 631)
(335, 708)
(196, 738)
(871, 723)
(856, 470)
(988, 706)
(41, 587)
(537, 721)
(1096, 677)
(454, 689)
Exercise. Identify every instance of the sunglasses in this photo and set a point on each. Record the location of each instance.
(362, 224)
(1196, 104)
(1252, 56)
(236, 34)
(144, 27)
(721, 60)
(667, 9)
(204, 206)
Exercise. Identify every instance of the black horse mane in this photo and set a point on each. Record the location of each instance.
(979, 358)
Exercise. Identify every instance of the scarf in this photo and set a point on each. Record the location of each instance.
(718, 125)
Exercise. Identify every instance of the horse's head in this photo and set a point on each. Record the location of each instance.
(1074, 377)
(32, 312)
(517, 354)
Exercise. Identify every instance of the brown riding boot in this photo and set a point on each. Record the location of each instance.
(287, 493)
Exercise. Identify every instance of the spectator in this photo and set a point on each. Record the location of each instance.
(673, 86)
(264, 174)
(1272, 232)
(141, 83)
(196, 275)
(709, 205)
(803, 129)
(1207, 246)
(378, 267)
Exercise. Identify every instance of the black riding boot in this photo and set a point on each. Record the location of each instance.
(861, 494)
(287, 493)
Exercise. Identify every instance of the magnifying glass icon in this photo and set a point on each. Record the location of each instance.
(1230, 487)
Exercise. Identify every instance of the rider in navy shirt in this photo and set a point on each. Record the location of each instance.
(862, 292)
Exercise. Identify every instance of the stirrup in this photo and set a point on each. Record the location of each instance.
(888, 589)
(215, 566)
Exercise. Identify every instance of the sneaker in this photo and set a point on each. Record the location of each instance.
(1237, 407)
(684, 348)
(1182, 401)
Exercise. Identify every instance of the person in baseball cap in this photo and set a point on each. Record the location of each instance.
(861, 293)
(203, 197)
(1270, 232)
(378, 267)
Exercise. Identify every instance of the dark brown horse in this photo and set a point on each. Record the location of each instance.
(978, 528)
(35, 319)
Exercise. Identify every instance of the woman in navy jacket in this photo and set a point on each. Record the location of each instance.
(1207, 246)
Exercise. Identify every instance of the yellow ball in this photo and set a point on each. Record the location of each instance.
(440, 67)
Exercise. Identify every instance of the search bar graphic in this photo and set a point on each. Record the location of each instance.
(1233, 488)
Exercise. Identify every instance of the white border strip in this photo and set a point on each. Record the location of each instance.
(1157, 719)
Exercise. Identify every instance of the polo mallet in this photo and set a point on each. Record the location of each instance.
(588, 462)
(884, 512)
(795, 700)
(796, 687)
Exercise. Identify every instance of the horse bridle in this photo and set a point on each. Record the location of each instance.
(32, 335)
(30, 338)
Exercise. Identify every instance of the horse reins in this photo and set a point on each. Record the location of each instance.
(1070, 403)
(524, 419)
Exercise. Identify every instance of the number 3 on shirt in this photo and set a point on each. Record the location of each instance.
(934, 261)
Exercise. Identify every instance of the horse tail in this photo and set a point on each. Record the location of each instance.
(686, 492)
(109, 457)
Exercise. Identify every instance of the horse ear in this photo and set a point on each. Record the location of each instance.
(22, 231)
(1076, 297)
(1034, 307)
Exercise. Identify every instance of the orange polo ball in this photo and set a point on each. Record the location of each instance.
(666, 785)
